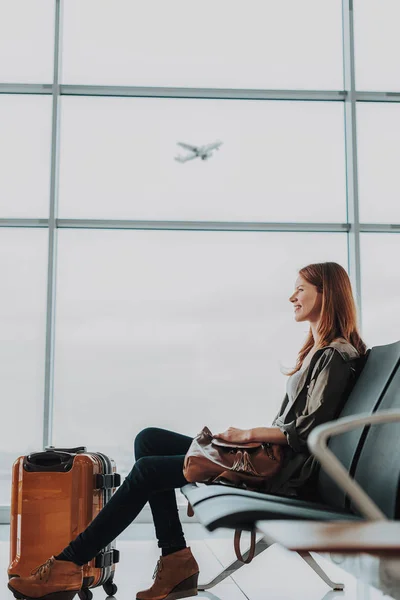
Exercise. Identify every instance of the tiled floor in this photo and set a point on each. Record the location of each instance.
(276, 574)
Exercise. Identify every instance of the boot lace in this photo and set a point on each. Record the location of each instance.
(158, 568)
(44, 569)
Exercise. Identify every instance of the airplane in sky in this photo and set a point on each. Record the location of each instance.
(203, 152)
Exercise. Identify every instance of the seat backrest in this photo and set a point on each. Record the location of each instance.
(378, 467)
(365, 397)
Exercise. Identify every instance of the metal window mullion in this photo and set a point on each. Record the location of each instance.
(378, 96)
(380, 228)
(52, 242)
(200, 225)
(350, 125)
(22, 222)
(195, 93)
(201, 93)
(26, 88)
(286, 227)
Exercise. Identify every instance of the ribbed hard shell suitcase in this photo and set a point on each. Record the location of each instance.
(55, 495)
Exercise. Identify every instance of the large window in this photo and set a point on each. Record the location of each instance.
(175, 329)
(25, 123)
(379, 158)
(380, 287)
(26, 41)
(377, 45)
(22, 343)
(224, 44)
(280, 161)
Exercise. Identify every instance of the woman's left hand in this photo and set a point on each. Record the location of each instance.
(232, 434)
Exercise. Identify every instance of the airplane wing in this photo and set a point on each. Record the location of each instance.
(213, 146)
(188, 146)
(183, 159)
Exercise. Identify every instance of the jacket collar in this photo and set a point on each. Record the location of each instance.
(345, 349)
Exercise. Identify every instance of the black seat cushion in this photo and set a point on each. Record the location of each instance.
(235, 511)
(199, 493)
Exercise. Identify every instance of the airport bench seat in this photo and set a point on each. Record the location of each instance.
(367, 455)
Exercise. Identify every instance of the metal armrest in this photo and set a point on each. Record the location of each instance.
(317, 443)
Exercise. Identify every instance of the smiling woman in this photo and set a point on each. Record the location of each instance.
(322, 379)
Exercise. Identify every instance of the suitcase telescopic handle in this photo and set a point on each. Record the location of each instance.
(76, 450)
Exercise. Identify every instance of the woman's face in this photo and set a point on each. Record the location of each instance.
(306, 300)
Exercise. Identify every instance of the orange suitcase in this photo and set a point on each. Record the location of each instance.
(55, 496)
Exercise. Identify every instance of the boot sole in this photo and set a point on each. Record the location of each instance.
(178, 595)
(184, 589)
(67, 595)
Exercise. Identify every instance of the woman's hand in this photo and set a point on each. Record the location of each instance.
(273, 435)
(232, 434)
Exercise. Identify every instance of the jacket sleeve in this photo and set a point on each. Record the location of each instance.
(325, 397)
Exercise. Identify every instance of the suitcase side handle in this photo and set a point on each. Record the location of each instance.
(76, 450)
(104, 482)
(48, 461)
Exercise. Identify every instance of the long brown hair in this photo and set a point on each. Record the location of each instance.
(338, 310)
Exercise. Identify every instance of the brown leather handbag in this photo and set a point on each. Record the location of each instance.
(211, 460)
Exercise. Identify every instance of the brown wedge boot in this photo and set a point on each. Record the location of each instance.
(175, 577)
(54, 580)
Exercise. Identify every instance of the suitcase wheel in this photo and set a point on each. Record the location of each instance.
(85, 594)
(110, 588)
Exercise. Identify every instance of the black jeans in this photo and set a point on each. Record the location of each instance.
(157, 471)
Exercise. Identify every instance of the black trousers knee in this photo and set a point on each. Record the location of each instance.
(156, 473)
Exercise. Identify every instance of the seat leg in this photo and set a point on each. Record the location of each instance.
(315, 567)
(261, 545)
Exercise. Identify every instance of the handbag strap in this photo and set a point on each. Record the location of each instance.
(252, 549)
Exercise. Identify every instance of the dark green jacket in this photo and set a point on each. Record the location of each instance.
(319, 399)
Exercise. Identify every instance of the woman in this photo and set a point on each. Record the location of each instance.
(316, 390)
